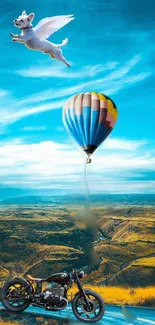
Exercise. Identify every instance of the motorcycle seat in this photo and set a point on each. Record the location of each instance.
(30, 278)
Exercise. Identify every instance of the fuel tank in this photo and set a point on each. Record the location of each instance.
(60, 278)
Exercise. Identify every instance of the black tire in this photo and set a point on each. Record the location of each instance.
(88, 319)
(6, 290)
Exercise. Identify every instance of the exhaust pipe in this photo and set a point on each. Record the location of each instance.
(54, 308)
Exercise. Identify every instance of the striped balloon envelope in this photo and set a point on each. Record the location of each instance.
(89, 117)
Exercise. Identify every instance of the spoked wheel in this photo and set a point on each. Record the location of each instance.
(91, 312)
(15, 296)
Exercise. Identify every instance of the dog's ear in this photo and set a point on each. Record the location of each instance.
(30, 17)
(24, 13)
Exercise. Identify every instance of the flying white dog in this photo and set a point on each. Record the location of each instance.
(36, 38)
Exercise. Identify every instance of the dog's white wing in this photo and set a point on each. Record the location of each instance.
(50, 25)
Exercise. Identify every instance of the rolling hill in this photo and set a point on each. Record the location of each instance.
(116, 246)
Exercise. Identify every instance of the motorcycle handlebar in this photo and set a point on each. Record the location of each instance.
(77, 274)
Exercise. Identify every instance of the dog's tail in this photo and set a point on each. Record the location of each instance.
(64, 42)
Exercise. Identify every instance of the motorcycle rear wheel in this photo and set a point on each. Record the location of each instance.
(11, 295)
(96, 307)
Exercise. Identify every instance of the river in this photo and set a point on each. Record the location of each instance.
(113, 316)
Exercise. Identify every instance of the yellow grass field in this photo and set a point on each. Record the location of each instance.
(125, 296)
(2, 322)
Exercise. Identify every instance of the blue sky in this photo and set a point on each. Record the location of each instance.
(111, 50)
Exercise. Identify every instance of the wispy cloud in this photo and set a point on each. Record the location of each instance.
(51, 99)
(125, 68)
(34, 128)
(11, 116)
(135, 78)
(61, 71)
(88, 72)
(112, 82)
(4, 93)
(13, 142)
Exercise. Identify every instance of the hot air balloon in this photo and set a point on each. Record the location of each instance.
(89, 117)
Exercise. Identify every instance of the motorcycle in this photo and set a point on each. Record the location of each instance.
(18, 293)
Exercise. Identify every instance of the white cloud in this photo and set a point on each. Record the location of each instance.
(123, 144)
(4, 93)
(52, 165)
(34, 128)
(127, 187)
(122, 161)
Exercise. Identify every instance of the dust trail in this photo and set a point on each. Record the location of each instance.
(90, 226)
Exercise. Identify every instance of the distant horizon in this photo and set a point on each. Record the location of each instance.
(111, 198)
(69, 194)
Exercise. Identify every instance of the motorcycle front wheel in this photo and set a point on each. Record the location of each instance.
(91, 312)
(14, 297)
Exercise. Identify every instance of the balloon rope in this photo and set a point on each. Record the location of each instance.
(86, 182)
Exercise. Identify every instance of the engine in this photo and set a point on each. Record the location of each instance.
(54, 297)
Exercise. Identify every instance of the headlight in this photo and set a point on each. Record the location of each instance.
(81, 274)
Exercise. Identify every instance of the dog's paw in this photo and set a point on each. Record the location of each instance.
(11, 35)
(14, 40)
